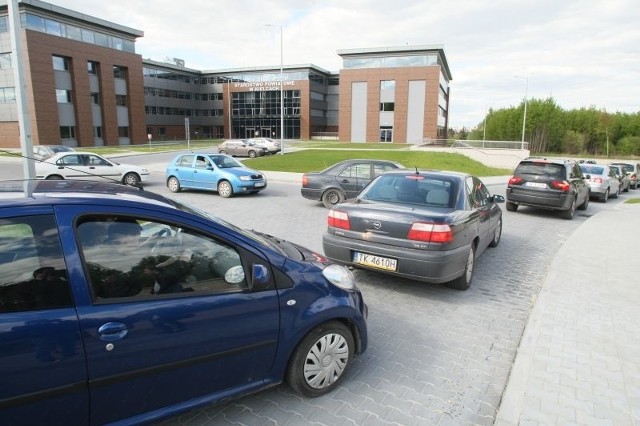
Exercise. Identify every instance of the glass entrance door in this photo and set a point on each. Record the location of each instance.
(386, 134)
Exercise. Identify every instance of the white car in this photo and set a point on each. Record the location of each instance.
(272, 146)
(89, 166)
(40, 152)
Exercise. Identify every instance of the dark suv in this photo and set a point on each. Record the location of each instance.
(548, 184)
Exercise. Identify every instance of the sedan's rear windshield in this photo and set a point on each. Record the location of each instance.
(421, 189)
(626, 167)
(592, 170)
(551, 170)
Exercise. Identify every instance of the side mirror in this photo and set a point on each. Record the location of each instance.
(497, 198)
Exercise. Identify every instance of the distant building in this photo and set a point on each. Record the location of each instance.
(87, 86)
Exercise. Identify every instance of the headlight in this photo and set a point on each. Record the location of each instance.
(339, 276)
(245, 177)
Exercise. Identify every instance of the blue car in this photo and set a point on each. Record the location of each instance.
(119, 305)
(213, 172)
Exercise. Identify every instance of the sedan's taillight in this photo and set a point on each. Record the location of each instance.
(305, 180)
(562, 185)
(515, 180)
(430, 232)
(338, 219)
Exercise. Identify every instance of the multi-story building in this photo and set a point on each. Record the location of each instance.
(87, 86)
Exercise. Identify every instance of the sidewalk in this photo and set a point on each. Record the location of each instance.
(579, 358)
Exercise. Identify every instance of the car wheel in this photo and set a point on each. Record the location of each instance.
(173, 184)
(496, 234)
(584, 205)
(463, 282)
(512, 207)
(225, 190)
(222, 151)
(568, 214)
(54, 177)
(321, 359)
(625, 190)
(605, 196)
(252, 154)
(331, 197)
(131, 179)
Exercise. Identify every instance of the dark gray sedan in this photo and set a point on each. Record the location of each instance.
(423, 225)
(343, 180)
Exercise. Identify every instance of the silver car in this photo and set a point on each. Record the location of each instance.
(625, 180)
(603, 181)
(272, 145)
(241, 148)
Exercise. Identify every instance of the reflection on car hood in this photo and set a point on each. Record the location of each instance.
(242, 171)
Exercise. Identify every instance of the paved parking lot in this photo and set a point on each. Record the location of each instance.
(437, 356)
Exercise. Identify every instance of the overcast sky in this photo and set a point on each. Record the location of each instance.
(583, 53)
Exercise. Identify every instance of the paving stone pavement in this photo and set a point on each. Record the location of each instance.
(579, 358)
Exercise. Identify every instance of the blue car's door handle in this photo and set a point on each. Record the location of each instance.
(112, 331)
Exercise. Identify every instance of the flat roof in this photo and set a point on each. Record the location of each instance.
(68, 13)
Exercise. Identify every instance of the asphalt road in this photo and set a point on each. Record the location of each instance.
(436, 356)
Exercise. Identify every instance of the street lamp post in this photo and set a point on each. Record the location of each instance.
(281, 91)
(524, 119)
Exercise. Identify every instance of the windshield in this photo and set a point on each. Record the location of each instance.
(225, 162)
(594, 170)
(626, 167)
(433, 191)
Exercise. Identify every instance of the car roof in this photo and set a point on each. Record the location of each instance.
(438, 173)
(68, 191)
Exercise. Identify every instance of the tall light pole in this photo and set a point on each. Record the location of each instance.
(524, 119)
(281, 91)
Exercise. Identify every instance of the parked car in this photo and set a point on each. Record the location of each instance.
(343, 180)
(632, 170)
(603, 181)
(89, 166)
(423, 225)
(40, 152)
(118, 305)
(241, 148)
(272, 146)
(624, 178)
(553, 184)
(213, 172)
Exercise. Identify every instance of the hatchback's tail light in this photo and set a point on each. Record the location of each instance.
(597, 180)
(515, 180)
(562, 185)
(305, 180)
(338, 219)
(430, 232)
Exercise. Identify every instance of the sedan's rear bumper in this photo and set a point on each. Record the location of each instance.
(311, 193)
(420, 265)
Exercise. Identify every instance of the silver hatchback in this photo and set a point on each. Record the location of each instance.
(241, 148)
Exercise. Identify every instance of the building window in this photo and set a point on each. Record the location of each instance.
(67, 132)
(121, 100)
(162, 131)
(7, 95)
(4, 24)
(119, 72)
(5, 61)
(387, 106)
(97, 132)
(92, 67)
(95, 98)
(60, 63)
(387, 85)
(123, 132)
(63, 96)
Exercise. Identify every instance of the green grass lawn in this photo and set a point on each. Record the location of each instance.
(315, 160)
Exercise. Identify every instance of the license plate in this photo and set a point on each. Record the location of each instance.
(536, 184)
(259, 185)
(378, 262)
